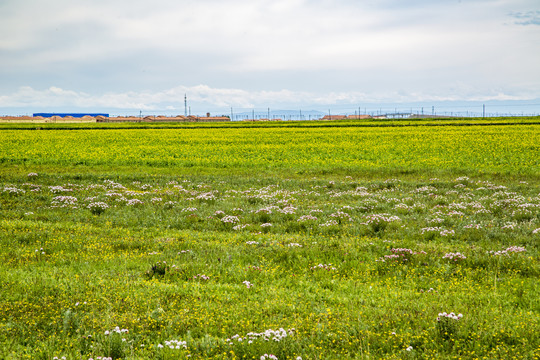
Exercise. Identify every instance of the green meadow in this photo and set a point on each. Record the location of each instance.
(305, 240)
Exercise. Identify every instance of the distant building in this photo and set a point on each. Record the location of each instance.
(213, 118)
(75, 115)
(334, 117)
(359, 117)
(161, 118)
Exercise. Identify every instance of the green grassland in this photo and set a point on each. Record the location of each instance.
(295, 240)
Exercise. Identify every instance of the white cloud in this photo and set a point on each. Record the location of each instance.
(206, 97)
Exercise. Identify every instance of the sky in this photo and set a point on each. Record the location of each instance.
(135, 55)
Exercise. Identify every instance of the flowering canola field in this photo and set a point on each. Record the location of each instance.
(270, 243)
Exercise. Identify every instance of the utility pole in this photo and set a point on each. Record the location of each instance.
(185, 105)
(232, 115)
(484, 110)
(268, 113)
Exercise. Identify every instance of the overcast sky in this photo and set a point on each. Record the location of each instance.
(135, 54)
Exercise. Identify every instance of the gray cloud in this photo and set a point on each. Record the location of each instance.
(357, 49)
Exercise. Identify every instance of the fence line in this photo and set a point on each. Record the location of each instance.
(392, 112)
